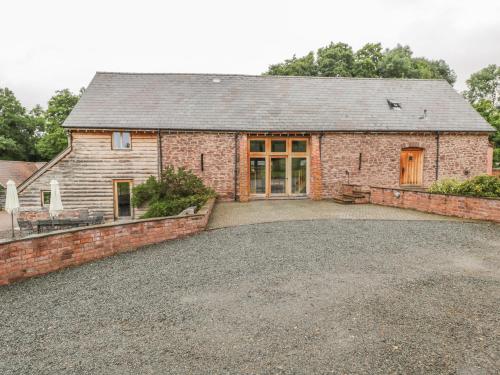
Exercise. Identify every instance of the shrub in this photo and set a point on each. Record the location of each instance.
(479, 186)
(445, 186)
(173, 193)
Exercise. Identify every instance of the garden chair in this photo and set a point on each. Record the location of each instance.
(26, 227)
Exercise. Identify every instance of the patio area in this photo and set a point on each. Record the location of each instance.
(228, 214)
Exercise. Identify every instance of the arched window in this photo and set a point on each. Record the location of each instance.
(412, 166)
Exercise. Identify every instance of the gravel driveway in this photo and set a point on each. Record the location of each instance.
(303, 297)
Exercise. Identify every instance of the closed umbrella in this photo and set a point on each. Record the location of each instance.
(11, 201)
(55, 199)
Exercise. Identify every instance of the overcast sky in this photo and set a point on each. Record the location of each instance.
(49, 45)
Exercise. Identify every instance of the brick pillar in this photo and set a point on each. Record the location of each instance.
(316, 188)
(243, 167)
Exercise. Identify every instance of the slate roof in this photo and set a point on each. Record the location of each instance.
(17, 171)
(270, 103)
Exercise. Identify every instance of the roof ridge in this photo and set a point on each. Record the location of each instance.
(267, 76)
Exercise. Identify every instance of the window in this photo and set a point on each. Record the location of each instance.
(278, 146)
(45, 197)
(258, 145)
(121, 141)
(394, 104)
(299, 146)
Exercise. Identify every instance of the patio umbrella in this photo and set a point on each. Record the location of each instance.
(55, 199)
(11, 201)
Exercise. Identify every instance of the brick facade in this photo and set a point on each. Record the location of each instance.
(334, 160)
(461, 156)
(218, 150)
(37, 255)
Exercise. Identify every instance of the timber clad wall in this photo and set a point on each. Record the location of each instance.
(185, 150)
(380, 158)
(86, 174)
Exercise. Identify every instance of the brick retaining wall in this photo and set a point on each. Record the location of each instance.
(449, 205)
(36, 255)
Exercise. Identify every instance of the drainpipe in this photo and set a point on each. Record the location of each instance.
(437, 155)
(235, 165)
(160, 155)
(320, 139)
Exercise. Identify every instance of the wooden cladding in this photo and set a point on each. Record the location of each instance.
(412, 166)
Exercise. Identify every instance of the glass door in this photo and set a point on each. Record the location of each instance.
(278, 166)
(278, 175)
(258, 176)
(122, 192)
(299, 176)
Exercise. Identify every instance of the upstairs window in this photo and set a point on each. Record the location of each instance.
(394, 105)
(121, 141)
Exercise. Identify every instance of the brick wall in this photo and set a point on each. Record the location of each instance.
(449, 205)
(380, 157)
(495, 172)
(21, 259)
(185, 150)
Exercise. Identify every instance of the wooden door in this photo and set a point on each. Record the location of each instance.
(122, 191)
(411, 167)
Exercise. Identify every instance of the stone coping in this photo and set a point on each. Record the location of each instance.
(204, 210)
(422, 190)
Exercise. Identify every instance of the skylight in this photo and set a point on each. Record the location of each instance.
(394, 104)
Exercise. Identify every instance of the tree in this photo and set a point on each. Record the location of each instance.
(484, 85)
(335, 60)
(483, 92)
(338, 59)
(18, 129)
(398, 63)
(302, 66)
(54, 138)
(367, 60)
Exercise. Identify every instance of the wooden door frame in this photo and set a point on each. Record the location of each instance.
(420, 171)
(115, 197)
(288, 155)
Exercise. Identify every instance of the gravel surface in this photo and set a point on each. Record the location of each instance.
(325, 296)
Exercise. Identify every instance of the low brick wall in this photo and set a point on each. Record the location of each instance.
(36, 255)
(449, 205)
(496, 172)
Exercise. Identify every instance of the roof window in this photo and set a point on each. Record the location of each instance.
(394, 105)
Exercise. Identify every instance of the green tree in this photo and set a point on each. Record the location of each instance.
(367, 60)
(483, 92)
(18, 129)
(398, 63)
(484, 85)
(491, 114)
(336, 59)
(54, 138)
(302, 66)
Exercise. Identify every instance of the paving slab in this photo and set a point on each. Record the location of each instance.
(227, 214)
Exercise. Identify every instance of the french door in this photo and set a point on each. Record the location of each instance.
(278, 166)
